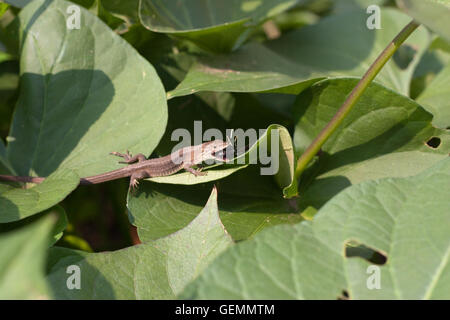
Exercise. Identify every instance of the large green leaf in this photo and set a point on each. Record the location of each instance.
(18, 203)
(58, 229)
(213, 173)
(385, 135)
(432, 62)
(284, 175)
(402, 218)
(433, 13)
(80, 103)
(84, 93)
(22, 261)
(155, 270)
(339, 45)
(436, 98)
(213, 25)
(248, 203)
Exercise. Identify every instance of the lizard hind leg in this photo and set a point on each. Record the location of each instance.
(128, 158)
(134, 179)
(134, 183)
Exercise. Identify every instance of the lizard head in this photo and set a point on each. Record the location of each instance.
(192, 155)
(215, 149)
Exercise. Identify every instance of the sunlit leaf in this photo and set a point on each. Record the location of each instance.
(401, 218)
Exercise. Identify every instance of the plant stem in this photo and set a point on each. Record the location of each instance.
(353, 97)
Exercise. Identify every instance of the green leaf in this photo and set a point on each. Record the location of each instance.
(436, 98)
(385, 135)
(22, 261)
(400, 218)
(75, 242)
(432, 13)
(18, 203)
(212, 25)
(61, 224)
(3, 8)
(432, 62)
(284, 176)
(71, 115)
(213, 173)
(248, 203)
(5, 56)
(18, 3)
(440, 43)
(127, 10)
(114, 22)
(76, 105)
(81, 103)
(58, 228)
(155, 270)
(300, 58)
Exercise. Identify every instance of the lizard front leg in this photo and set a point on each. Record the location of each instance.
(128, 158)
(194, 172)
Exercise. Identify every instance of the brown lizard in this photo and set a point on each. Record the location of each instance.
(139, 167)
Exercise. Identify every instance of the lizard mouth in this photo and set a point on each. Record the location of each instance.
(221, 154)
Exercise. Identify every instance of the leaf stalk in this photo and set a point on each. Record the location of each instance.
(353, 97)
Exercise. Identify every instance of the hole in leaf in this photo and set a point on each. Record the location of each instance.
(434, 142)
(354, 249)
(344, 295)
(404, 56)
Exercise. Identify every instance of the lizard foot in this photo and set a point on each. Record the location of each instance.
(134, 183)
(129, 158)
(200, 173)
(197, 172)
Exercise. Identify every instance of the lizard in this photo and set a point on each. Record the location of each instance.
(139, 167)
